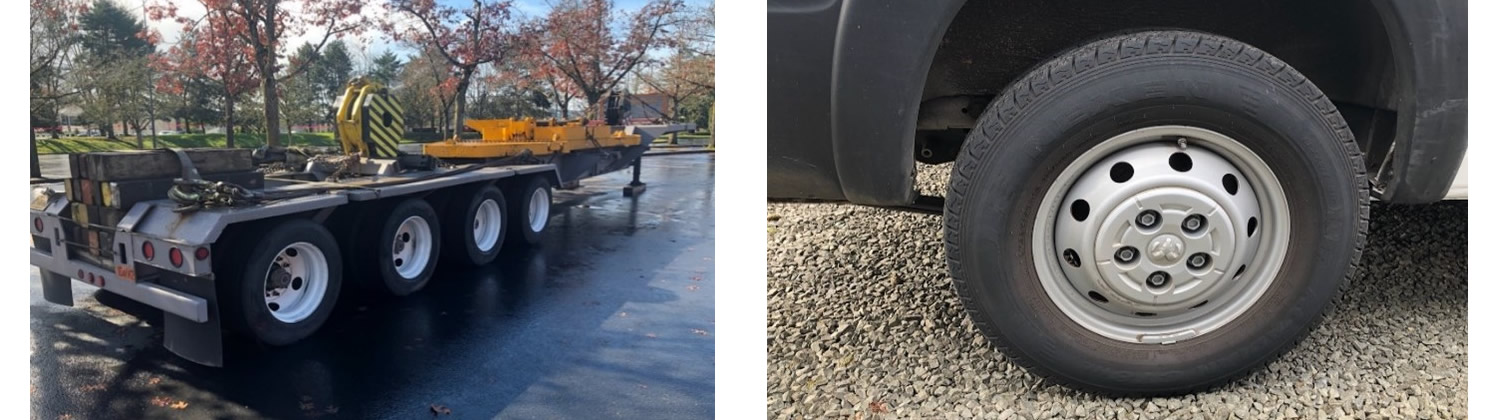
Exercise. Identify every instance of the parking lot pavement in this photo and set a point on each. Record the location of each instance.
(863, 323)
(611, 318)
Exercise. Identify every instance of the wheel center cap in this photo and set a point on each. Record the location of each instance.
(1165, 249)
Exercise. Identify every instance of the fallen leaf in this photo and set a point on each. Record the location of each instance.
(160, 401)
(180, 405)
(650, 335)
(154, 380)
(699, 332)
(697, 278)
(94, 387)
(440, 410)
(878, 407)
(65, 416)
(773, 218)
(624, 314)
(692, 287)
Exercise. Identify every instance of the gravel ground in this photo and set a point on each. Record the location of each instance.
(863, 323)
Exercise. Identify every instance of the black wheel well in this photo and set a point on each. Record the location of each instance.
(1341, 45)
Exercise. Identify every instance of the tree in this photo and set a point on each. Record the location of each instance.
(427, 89)
(53, 23)
(212, 51)
(112, 73)
(303, 98)
(331, 73)
(386, 69)
(262, 25)
(467, 39)
(595, 48)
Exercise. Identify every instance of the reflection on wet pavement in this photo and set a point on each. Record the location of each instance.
(611, 317)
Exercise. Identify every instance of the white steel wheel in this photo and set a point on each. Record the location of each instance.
(411, 249)
(487, 224)
(537, 210)
(296, 282)
(1161, 234)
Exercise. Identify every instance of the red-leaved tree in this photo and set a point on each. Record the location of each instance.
(595, 47)
(211, 51)
(262, 26)
(483, 33)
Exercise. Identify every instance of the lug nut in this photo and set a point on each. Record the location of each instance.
(1148, 219)
(1126, 254)
(1158, 279)
(1197, 261)
(1193, 224)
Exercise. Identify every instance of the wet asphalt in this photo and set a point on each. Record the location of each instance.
(611, 317)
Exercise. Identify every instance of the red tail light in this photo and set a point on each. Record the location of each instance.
(37, 223)
(148, 251)
(91, 278)
(201, 254)
(176, 256)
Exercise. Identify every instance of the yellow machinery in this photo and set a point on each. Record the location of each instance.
(370, 121)
(509, 137)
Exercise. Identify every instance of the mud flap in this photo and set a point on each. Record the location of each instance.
(199, 342)
(57, 288)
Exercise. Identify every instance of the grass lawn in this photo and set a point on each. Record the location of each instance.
(45, 145)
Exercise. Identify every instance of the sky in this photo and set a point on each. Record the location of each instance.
(366, 46)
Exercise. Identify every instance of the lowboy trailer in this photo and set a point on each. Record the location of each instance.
(215, 242)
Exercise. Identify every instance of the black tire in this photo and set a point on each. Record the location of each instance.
(1039, 124)
(461, 219)
(245, 305)
(519, 197)
(378, 250)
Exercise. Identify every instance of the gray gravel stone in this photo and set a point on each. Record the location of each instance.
(863, 324)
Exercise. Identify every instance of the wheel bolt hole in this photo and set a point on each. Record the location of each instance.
(1251, 227)
(1198, 261)
(1121, 172)
(1240, 271)
(1097, 297)
(274, 307)
(1148, 219)
(296, 283)
(405, 237)
(291, 252)
(1180, 162)
(1145, 314)
(1071, 257)
(1080, 210)
(1126, 254)
(1193, 224)
(1231, 184)
(1199, 305)
(398, 262)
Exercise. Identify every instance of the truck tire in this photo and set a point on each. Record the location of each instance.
(476, 225)
(1154, 213)
(288, 284)
(405, 252)
(531, 207)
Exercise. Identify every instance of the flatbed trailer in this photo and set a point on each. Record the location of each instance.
(271, 270)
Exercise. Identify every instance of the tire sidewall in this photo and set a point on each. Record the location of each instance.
(1010, 161)
(395, 284)
(256, 316)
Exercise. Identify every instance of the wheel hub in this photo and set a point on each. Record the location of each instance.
(1153, 231)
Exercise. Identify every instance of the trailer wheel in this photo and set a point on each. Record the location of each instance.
(406, 250)
(289, 283)
(477, 226)
(531, 206)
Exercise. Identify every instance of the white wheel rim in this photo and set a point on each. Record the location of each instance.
(537, 211)
(295, 282)
(487, 225)
(1211, 296)
(411, 248)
